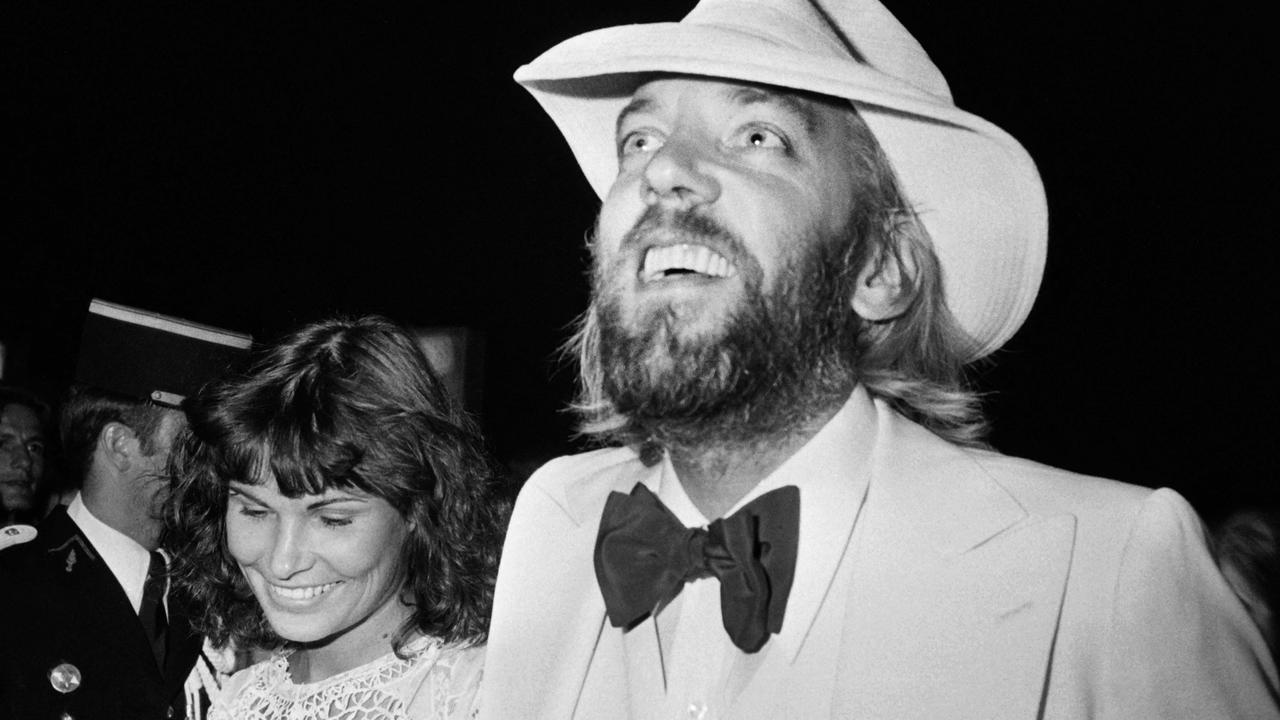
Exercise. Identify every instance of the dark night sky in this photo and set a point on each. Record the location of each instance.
(258, 166)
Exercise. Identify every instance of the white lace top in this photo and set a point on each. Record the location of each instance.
(436, 682)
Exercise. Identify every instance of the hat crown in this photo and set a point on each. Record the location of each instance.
(863, 30)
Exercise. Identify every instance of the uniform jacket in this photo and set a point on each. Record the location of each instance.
(59, 603)
(972, 585)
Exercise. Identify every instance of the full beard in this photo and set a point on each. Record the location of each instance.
(779, 361)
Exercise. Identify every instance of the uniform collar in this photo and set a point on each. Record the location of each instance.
(126, 559)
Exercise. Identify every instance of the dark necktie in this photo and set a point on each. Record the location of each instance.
(151, 612)
(644, 556)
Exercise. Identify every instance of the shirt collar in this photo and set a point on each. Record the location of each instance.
(832, 471)
(126, 559)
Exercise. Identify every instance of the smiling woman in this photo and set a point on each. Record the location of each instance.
(333, 505)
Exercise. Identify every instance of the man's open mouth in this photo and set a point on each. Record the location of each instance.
(684, 259)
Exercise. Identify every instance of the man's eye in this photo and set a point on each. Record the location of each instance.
(763, 138)
(36, 449)
(639, 141)
(334, 522)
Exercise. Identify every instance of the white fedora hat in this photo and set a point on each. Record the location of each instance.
(973, 186)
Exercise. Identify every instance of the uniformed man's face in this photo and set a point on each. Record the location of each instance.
(324, 567)
(22, 447)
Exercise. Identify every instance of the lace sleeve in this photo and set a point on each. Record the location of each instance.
(450, 689)
(221, 705)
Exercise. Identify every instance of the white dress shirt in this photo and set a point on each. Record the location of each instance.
(126, 559)
(696, 653)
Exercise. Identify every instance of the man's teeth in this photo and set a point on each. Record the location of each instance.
(303, 593)
(684, 258)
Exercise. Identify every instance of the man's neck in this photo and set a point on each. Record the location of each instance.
(119, 514)
(716, 476)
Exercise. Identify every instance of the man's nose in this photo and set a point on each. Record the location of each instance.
(21, 459)
(679, 175)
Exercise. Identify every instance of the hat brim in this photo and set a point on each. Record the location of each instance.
(975, 189)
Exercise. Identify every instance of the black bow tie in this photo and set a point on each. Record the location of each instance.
(644, 555)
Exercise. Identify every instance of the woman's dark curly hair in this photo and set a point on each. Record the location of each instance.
(342, 403)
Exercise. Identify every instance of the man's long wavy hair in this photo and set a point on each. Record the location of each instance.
(351, 404)
(914, 362)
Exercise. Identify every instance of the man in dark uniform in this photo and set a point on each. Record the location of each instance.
(89, 632)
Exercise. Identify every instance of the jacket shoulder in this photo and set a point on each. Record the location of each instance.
(1044, 489)
(568, 468)
(580, 483)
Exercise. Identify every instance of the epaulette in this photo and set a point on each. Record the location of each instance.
(16, 535)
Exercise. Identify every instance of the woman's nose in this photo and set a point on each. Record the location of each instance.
(291, 551)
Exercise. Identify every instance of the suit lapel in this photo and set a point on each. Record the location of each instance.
(954, 591)
(551, 653)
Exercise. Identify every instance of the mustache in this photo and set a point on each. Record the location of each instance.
(680, 226)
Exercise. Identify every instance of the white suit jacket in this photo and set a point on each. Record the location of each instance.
(972, 585)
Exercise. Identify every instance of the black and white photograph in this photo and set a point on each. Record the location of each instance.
(710, 359)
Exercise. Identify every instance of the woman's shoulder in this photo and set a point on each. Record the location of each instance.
(448, 682)
(454, 663)
(257, 676)
(465, 661)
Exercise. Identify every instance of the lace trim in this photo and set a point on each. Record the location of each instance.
(380, 690)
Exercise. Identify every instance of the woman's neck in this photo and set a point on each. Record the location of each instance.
(362, 643)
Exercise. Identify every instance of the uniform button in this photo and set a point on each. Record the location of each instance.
(66, 716)
(697, 710)
(65, 678)
(170, 713)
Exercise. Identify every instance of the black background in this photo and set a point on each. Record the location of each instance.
(261, 165)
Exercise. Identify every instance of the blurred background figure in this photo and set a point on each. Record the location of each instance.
(1247, 544)
(24, 426)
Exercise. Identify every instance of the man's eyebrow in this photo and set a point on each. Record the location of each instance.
(637, 105)
(803, 111)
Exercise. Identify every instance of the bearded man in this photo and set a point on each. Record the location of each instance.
(801, 245)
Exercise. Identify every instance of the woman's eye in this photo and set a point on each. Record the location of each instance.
(251, 512)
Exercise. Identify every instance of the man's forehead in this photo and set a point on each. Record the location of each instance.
(20, 417)
(652, 93)
(739, 91)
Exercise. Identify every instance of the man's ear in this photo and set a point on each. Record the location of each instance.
(118, 445)
(885, 287)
